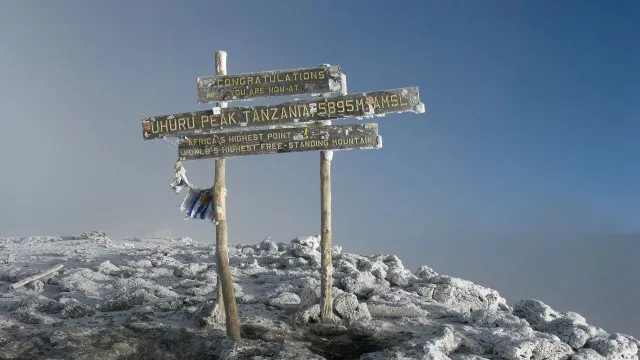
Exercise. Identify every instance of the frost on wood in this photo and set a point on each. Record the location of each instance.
(156, 300)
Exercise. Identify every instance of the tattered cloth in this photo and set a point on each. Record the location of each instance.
(198, 204)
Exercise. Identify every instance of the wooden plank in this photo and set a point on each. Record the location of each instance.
(272, 141)
(318, 80)
(357, 105)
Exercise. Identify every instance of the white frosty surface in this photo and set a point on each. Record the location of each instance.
(155, 299)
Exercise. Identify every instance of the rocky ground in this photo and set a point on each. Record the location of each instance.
(154, 299)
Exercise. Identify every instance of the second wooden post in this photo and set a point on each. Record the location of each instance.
(228, 300)
(326, 269)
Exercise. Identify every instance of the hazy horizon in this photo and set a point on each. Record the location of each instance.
(519, 175)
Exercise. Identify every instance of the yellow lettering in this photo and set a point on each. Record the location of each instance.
(293, 111)
(349, 104)
(274, 112)
(182, 124)
(321, 74)
(305, 112)
(163, 125)
(331, 106)
(264, 114)
(403, 103)
(322, 109)
(383, 100)
(359, 104)
(394, 100)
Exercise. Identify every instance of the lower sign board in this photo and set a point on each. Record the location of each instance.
(325, 79)
(273, 141)
(365, 104)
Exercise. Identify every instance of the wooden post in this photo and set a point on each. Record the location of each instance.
(222, 252)
(326, 276)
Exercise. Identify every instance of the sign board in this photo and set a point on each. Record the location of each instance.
(272, 141)
(319, 80)
(365, 104)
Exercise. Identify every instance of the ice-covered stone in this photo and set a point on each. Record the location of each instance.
(500, 319)
(575, 333)
(534, 311)
(363, 284)
(308, 315)
(399, 277)
(190, 270)
(307, 247)
(463, 295)
(349, 309)
(614, 346)
(268, 246)
(509, 347)
(73, 309)
(285, 300)
(107, 268)
(390, 309)
(425, 272)
(587, 354)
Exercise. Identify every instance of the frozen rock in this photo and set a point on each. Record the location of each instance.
(190, 270)
(510, 347)
(363, 284)
(84, 281)
(307, 247)
(107, 268)
(587, 354)
(575, 333)
(268, 246)
(349, 309)
(29, 316)
(615, 346)
(463, 295)
(308, 315)
(188, 283)
(425, 272)
(393, 263)
(308, 289)
(73, 309)
(36, 285)
(442, 344)
(126, 301)
(426, 290)
(344, 266)
(248, 251)
(144, 263)
(399, 277)
(8, 323)
(499, 319)
(285, 300)
(534, 311)
(379, 307)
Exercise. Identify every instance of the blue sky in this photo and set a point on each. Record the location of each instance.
(517, 176)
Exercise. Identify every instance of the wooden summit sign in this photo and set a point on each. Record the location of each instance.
(272, 141)
(319, 80)
(365, 104)
(223, 132)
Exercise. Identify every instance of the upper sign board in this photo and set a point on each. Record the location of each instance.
(319, 80)
(299, 112)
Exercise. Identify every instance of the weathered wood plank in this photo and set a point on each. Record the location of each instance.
(272, 141)
(318, 80)
(357, 105)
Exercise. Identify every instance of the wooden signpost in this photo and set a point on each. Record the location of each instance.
(293, 126)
